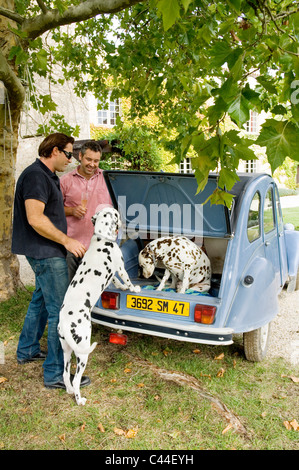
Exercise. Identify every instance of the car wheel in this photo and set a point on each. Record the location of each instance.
(256, 343)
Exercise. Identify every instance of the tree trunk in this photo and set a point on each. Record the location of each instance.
(9, 266)
(10, 108)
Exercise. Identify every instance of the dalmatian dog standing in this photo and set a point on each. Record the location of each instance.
(99, 265)
(182, 259)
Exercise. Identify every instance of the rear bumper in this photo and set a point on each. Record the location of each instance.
(191, 333)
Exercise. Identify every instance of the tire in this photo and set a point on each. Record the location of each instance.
(256, 342)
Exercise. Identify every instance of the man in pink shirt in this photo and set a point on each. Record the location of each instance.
(84, 190)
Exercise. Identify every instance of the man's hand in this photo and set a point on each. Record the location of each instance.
(77, 211)
(75, 247)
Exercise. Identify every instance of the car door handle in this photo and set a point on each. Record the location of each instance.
(267, 243)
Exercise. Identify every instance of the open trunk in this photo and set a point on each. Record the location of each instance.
(154, 205)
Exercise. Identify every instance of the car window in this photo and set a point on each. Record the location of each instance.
(253, 222)
(269, 212)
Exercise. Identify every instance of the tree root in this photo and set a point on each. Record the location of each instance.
(184, 380)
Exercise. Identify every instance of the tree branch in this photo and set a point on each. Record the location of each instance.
(274, 20)
(50, 19)
(42, 6)
(11, 15)
(11, 82)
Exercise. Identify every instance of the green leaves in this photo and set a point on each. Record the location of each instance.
(198, 67)
(37, 60)
(41, 58)
(239, 110)
(281, 138)
(170, 11)
(220, 153)
(221, 197)
(58, 124)
(18, 54)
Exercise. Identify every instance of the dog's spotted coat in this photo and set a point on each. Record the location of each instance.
(182, 259)
(101, 262)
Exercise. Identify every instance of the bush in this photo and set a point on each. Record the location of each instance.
(140, 149)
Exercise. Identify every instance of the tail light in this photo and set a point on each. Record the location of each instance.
(204, 314)
(118, 338)
(110, 300)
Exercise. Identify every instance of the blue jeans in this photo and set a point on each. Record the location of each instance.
(51, 283)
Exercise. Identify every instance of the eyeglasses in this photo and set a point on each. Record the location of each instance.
(67, 154)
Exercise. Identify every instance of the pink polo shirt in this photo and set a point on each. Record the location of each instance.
(72, 185)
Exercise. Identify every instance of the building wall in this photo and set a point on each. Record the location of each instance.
(76, 112)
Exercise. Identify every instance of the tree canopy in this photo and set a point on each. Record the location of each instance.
(187, 61)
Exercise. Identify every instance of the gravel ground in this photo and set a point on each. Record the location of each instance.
(285, 329)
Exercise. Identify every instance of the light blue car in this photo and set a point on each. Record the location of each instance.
(252, 258)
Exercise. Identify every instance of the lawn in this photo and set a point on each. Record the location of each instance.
(291, 215)
(151, 394)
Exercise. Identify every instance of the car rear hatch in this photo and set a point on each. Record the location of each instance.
(153, 205)
(162, 204)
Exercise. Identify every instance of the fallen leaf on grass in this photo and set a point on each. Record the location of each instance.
(119, 431)
(127, 370)
(206, 375)
(5, 343)
(3, 379)
(292, 377)
(130, 433)
(101, 427)
(220, 372)
(289, 425)
(219, 358)
(62, 437)
(82, 428)
(196, 351)
(166, 352)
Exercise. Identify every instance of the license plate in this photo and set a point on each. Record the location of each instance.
(149, 304)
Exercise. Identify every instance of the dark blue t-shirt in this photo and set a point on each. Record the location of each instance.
(40, 183)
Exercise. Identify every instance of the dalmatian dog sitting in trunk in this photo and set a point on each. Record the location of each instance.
(99, 265)
(182, 259)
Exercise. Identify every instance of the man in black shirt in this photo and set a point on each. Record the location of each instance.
(39, 233)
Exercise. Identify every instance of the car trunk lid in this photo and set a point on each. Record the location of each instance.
(161, 204)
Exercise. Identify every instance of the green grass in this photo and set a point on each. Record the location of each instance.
(291, 215)
(128, 394)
